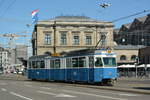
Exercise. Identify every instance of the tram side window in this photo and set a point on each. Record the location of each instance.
(38, 64)
(57, 63)
(75, 62)
(42, 64)
(34, 64)
(68, 62)
(98, 62)
(91, 61)
(30, 64)
(52, 63)
(82, 62)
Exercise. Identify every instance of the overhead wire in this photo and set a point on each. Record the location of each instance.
(125, 17)
(8, 7)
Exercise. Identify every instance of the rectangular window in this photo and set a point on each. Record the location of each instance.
(82, 62)
(30, 64)
(42, 64)
(75, 40)
(75, 62)
(88, 40)
(63, 38)
(98, 62)
(47, 39)
(109, 62)
(103, 37)
(34, 64)
(57, 63)
(68, 62)
(91, 61)
(52, 64)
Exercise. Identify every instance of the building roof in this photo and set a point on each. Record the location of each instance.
(116, 31)
(128, 47)
(127, 25)
(142, 19)
(74, 19)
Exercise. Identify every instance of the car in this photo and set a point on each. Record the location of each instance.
(15, 72)
(20, 72)
(1, 72)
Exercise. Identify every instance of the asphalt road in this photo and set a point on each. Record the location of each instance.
(31, 90)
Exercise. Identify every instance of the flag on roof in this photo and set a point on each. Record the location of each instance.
(34, 16)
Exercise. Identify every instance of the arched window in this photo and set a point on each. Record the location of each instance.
(123, 57)
(47, 53)
(133, 57)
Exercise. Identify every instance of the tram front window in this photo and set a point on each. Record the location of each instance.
(98, 62)
(109, 61)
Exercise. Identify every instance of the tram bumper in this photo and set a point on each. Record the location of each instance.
(109, 73)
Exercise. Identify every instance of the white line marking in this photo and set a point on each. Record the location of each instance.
(46, 93)
(3, 89)
(121, 93)
(28, 85)
(101, 96)
(45, 88)
(18, 95)
(57, 95)
(125, 94)
(64, 95)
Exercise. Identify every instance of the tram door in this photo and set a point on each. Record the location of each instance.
(91, 69)
(68, 69)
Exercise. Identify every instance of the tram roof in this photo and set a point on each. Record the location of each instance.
(83, 52)
(38, 57)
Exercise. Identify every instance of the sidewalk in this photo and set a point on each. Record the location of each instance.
(13, 77)
(135, 85)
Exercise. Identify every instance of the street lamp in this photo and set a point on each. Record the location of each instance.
(136, 63)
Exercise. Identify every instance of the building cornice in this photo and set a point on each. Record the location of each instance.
(75, 25)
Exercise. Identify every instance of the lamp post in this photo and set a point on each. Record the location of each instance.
(54, 27)
(136, 63)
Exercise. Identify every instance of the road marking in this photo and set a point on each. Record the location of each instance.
(3, 89)
(57, 95)
(45, 88)
(64, 95)
(125, 94)
(18, 95)
(28, 85)
(46, 93)
(101, 96)
(121, 93)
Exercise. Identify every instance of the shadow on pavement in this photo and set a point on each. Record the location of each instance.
(143, 88)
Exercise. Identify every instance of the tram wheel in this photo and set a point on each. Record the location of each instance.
(111, 82)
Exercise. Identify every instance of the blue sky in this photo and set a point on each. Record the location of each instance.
(15, 14)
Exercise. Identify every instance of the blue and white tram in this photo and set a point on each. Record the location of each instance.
(91, 67)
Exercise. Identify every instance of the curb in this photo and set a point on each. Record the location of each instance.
(117, 89)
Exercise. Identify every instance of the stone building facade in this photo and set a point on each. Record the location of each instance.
(68, 33)
(127, 54)
(144, 55)
(4, 58)
(135, 33)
